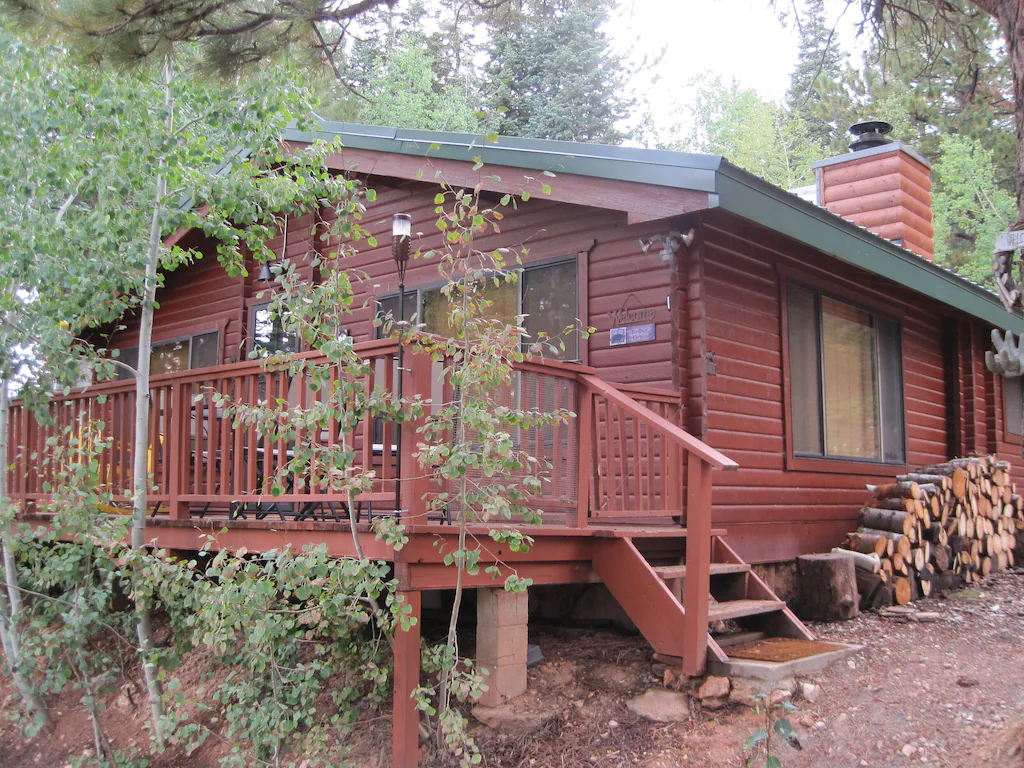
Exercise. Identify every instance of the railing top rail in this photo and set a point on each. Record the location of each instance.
(367, 349)
(554, 367)
(647, 392)
(677, 435)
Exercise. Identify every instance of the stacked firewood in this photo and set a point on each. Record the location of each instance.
(935, 528)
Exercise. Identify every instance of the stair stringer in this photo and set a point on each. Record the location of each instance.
(644, 596)
(786, 624)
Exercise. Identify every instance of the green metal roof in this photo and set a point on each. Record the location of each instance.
(731, 188)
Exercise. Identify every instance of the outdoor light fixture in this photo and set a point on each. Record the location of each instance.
(669, 243)
(401, 235)
(264, 275)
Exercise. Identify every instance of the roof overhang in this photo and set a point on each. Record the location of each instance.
(647, 185)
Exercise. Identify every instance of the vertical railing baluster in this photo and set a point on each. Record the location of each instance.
(585, 431)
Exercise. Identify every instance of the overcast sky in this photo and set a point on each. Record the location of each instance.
(741, 39)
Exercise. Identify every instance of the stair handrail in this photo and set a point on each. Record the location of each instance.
(701, 459)
(676, 434)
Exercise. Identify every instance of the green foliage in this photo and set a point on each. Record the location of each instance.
(753, 133)
(283, 626)
(73, 637)
(943, 74)
(971, 208)
(761, 743)
(552, 75)
(296, 646)
(82, 185)
(406, 92)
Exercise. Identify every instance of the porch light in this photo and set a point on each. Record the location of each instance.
(401, 234)
(264, 275)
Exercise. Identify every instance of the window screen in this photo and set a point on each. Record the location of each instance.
(846, 379)
(169, 357)
(1013, 404)
(549, 303)
(546, 295)
(205, 350)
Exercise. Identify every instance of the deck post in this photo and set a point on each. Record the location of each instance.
(405, 722)
(584, 451)
(414, 482)
(697, 585)
(177, 451)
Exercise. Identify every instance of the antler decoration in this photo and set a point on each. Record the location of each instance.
(1008, 359)
(1009, 292)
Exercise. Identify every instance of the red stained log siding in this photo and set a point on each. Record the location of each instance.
(607, 249)
(772, 512)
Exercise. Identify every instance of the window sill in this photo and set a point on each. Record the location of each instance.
(1012, 439)
(843, 466)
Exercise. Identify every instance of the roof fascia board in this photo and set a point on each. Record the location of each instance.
(667, 169)
(752, 199)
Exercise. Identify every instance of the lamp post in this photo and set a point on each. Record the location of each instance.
(401, 234)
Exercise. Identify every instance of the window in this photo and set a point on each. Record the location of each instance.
(199, 351)
(846, 382)
(269, 336)
(545, 294)
(1013, 404)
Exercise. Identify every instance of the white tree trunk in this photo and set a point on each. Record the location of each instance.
(10, 602)
(140, 480)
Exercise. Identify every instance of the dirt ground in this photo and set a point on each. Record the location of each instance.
(948, 693)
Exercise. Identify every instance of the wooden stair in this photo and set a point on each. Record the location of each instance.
(650, 593)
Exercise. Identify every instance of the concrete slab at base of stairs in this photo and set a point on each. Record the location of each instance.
(771, 671)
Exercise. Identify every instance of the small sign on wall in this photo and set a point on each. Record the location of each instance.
(631, 334)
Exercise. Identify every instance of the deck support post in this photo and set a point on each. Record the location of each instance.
(502, 643)
(697, 585)
(405, 722)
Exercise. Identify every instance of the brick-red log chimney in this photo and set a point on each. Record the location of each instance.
(883, 186)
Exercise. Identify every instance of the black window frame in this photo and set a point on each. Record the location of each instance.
(123, 375)
(418, 294)
(253, 309)
(879, 384)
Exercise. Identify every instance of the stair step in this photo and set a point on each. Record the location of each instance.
(737, 609)
(739, 638)
(717, 569)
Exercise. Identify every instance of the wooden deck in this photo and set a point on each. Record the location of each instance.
(627, 490)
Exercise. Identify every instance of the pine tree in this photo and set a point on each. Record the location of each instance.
(554, 72)
(820, 61)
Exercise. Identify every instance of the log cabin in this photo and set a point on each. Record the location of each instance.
(759, 357)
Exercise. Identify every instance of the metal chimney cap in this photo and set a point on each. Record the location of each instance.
(868, 134)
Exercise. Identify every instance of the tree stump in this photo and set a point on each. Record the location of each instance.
(828, 587)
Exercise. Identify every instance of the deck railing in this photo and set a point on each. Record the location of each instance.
(621, 460)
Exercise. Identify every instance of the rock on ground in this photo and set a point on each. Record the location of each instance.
(661, 706)
(746, 690)
(513, 718)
